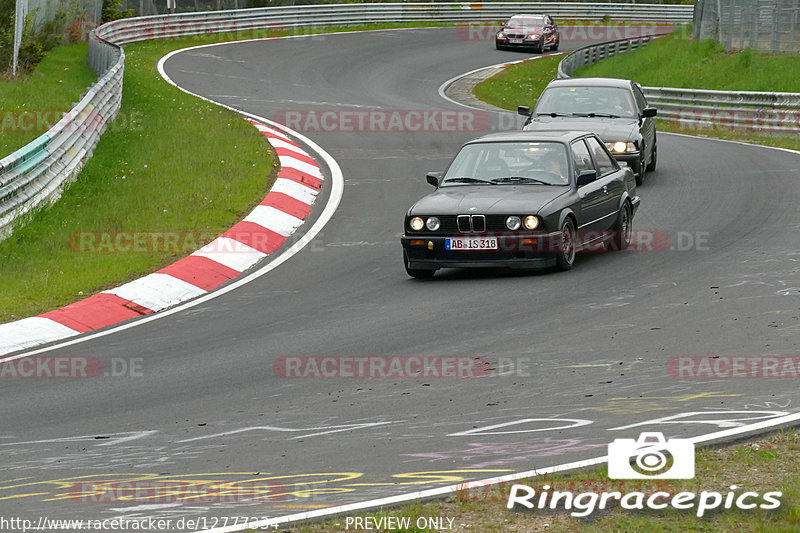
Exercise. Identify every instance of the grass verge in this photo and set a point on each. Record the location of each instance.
(32, 103)
(169, 165)
(761, 465)
(678, 61)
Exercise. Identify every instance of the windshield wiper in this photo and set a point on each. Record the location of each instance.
(553, 114)
(593, 115)
(520, 179)
(467, 180)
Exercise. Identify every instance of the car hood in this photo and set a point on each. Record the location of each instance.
(608, 129)
(487, 199)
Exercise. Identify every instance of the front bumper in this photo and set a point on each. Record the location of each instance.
(524, 250)
(526, 43)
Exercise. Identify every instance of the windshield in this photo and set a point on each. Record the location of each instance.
(528, 22)
(586, 102)
(497, 163)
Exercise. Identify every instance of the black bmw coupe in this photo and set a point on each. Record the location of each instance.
(521, 200)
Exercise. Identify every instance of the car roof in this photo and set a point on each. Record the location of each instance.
(590, 82)
(537, 17)
(554, 135)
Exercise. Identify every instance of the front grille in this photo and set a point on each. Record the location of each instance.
(471, 223)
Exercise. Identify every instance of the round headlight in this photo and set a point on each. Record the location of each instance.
(513, 223)
(619, 147)
(416, 224)
(530, 222)
(433, 223)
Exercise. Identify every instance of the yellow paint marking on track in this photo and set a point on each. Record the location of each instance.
(430, 477)
(629, 405)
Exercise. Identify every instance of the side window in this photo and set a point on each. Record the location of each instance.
(583, 161)
(605, 163)
(641, 101)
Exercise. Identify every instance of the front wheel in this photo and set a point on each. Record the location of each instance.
(568, 246)
(555, 46)
(622, 233)
(419, 273)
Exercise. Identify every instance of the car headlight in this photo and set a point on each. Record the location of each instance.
(620, 147)
(501, 35)
(513, 223)
(530, 222)
(433, 223)
(533, 36)
(417, 224)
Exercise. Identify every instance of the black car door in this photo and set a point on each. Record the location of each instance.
(592, 195)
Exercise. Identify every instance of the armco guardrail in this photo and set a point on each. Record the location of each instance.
(163, 26)
(37, 172)
(700, 108)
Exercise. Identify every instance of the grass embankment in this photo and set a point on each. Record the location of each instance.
(32, 103)
(762, 465)
(169, 163)
(673, 61)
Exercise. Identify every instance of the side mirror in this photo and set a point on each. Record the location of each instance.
(524, 110)
(586, 177)
(434, 178)
(649, 112)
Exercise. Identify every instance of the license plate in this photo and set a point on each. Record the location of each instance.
(470, 244)
(515, 41)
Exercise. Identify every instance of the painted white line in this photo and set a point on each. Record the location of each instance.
(451, 489)
(296, 190)
(157, 291)
(231, 253)
(30, 332)
(273, 219)
(337, 191)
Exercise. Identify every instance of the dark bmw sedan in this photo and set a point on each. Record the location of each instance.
(616, 110)
(521, 200)
(537, 32)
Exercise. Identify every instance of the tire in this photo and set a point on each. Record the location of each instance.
(566, 249)
(555, 46)
(642, 168)
(654, 157)
(539, 49)
(622, 233)
(418, 273)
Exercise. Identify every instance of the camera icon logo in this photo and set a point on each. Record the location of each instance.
(651, 457)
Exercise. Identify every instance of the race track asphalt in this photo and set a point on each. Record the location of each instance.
(588, 347)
